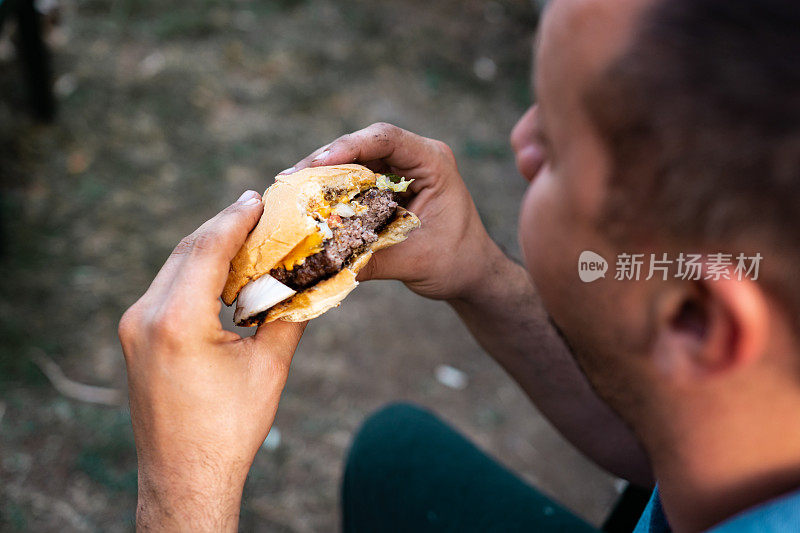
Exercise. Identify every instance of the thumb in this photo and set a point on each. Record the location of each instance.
(279, 338)
(387, 263)
(371, 270)
(205, 255)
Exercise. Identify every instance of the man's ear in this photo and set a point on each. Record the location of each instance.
(707, 328)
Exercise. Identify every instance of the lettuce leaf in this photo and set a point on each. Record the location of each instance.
(393, 182)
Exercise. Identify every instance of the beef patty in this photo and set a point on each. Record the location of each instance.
(352, 236)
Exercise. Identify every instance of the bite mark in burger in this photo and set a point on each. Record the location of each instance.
(319, 227)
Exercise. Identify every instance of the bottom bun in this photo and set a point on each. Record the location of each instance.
(329, 293)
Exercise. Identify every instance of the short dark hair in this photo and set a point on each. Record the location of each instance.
(701, 114)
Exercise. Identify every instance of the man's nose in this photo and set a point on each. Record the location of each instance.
(528, 153)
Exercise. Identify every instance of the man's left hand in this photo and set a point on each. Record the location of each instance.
(202, 399)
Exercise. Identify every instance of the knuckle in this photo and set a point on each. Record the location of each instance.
(207, 236)
(384, 130)
(341, 142)
(163, 329)
(184, 246)
(128, 327)
(445, 150)
(204, 241)
(231, 213)
(342, 139)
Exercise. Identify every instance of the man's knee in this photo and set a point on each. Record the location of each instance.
(383, 465)
(386, 437)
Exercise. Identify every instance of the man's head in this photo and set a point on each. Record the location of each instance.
(668, 127)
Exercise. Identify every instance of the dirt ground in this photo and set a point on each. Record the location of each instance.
(167, 112)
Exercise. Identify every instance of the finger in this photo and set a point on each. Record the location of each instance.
(377, 165)
(203, 258)
(181, 251)
(405, 153)
(279, 339)
(371, 270)
(380, 141)
(305, 162)
(389, 263)
(395, 146)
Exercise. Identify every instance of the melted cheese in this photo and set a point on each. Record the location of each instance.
(322, 208)
(323, 211)
(308, 246)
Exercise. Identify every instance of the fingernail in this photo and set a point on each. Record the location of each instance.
(322, 156)
(247, 195)
(286, 171)
(252, 201)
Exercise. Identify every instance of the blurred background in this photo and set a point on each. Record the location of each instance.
(165, 113)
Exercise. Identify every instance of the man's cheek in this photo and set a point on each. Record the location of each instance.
(548, 237)
(541, 238)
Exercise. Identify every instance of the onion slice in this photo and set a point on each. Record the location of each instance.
(258, 296)
(344, 210)
(325, 229)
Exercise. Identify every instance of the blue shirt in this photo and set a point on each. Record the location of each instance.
(778, 515)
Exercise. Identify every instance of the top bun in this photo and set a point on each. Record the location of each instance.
(286, 219)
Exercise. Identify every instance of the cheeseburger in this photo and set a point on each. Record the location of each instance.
(319, 227)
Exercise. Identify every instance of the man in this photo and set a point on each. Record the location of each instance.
(662, 127)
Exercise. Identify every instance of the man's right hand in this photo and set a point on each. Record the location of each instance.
(451, 257)
(451, 253)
